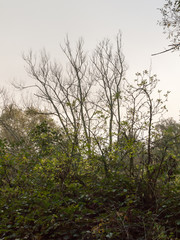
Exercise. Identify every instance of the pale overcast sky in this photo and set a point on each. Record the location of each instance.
(37, 24)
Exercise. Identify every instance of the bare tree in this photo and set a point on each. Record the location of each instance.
(94, 103)
(72, 94)
(109, 72)
(66, 94)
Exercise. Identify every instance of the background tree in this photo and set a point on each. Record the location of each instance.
(166, 147)
(15, 123)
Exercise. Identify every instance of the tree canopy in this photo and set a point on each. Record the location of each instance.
(171, 23)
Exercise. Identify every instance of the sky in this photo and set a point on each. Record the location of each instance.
(39, 24)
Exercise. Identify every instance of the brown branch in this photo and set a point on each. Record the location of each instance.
(175, 47)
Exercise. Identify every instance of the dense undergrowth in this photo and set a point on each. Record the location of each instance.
(107, 209)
